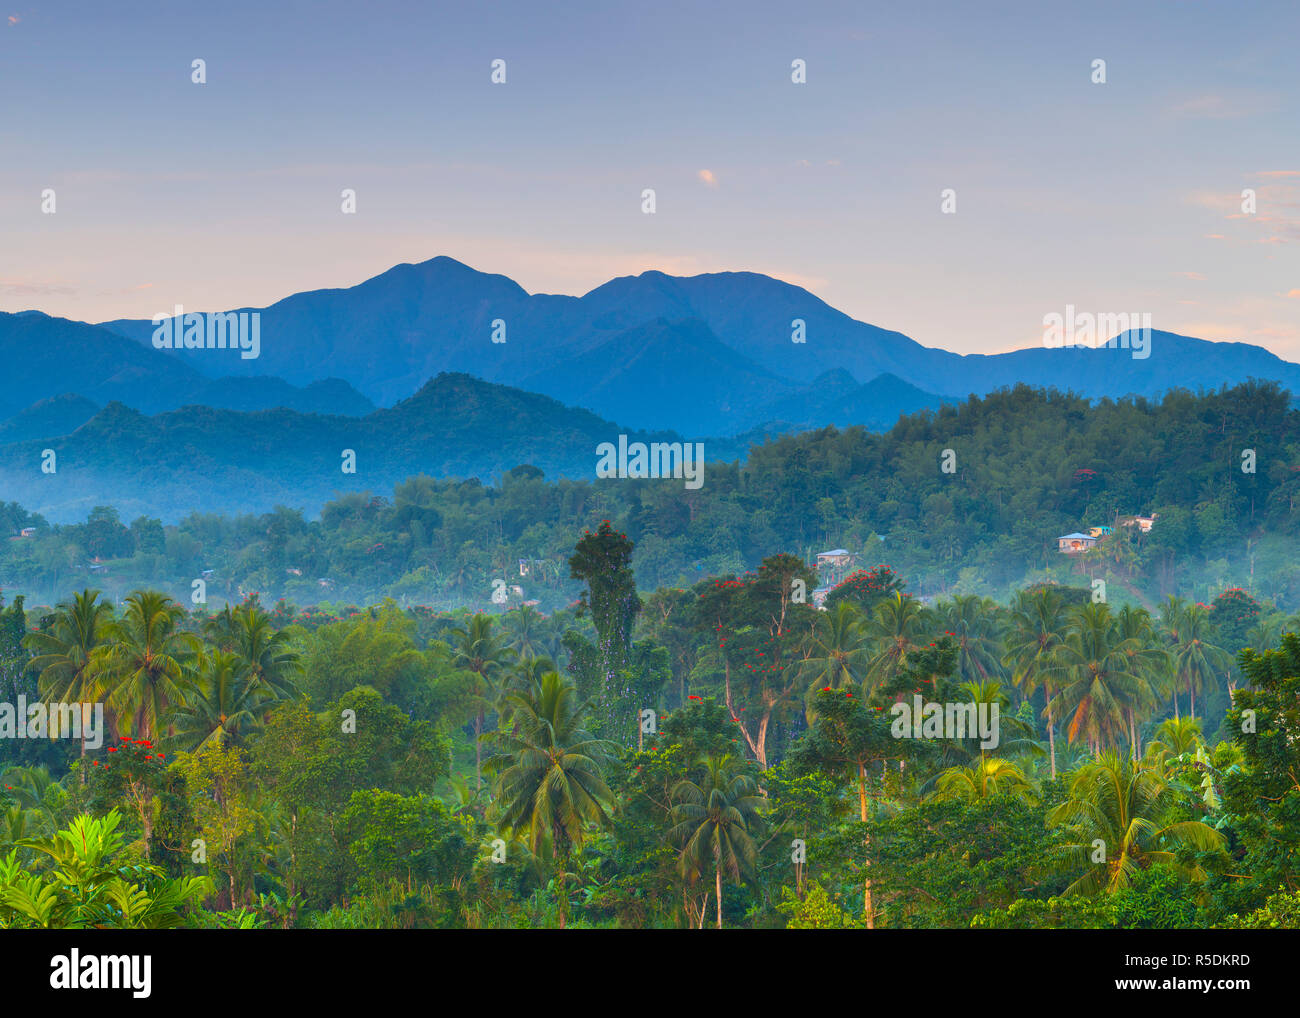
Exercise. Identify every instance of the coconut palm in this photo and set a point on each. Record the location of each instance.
(549, 784)
(1148, 666)
(1172, 613)
(714, 821)
(146, 663)
(1092, 668)
(1175, 737)
(221, 630)
(1264, 634)
(983, 779)
(266, 651)
(64, 653)
(1035, 632)
(974, 625)
(477, 650)
(896, 628)
(525, 631)
(837, 650)
(227, 700)
(1193, 658)
(1120, 808)
(526, 674)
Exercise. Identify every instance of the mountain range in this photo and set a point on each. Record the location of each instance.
(201, 459)
(442, 369)
(703, 355)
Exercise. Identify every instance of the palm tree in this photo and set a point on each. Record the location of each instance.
(973, 622)
(549, 781)
(221, 630)
(227, 700)
(1035, 633)
(1124, 805)
(526, 674)
(265, 650)
(475, 649)
(1171, 623)
(525, 627)
(896, 627)
(1264, 634)
(983, 779)
(147, 661)
(1174, 737)
(64, 655)
(712, 821)
(837, 649)
(1148, 664)
(1194, 658)
(1095, 684)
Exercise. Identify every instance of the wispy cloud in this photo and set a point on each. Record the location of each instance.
(1216, 106)
(15, 288)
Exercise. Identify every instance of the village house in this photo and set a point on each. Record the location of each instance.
(1073, 544)
(833, 566)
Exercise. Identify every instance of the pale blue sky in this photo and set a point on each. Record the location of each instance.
(1116, 197)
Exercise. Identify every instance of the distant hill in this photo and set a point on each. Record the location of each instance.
(48, 418)
(203, 459)
(648, 348)
(46, 357)
(836, 398)
(703, 387)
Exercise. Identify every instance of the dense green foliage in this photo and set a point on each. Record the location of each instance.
(668, 739)
(1030, 466)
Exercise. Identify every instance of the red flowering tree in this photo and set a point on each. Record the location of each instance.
(866, 588)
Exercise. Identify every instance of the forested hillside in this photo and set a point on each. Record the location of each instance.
(725, 755)
(1027, 466)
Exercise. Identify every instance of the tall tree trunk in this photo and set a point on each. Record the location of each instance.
(563, 898)
(754, 747)
(478, 750)
(717, 870)
(1051, 727)
(1191, 691)
(146, 821)
(867, 910)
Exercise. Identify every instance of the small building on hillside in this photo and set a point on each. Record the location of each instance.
(1100, 532)
(833, 566)
(1072, 544)
(1143, 523)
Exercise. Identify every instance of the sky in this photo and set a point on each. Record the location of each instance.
(1122, 196)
